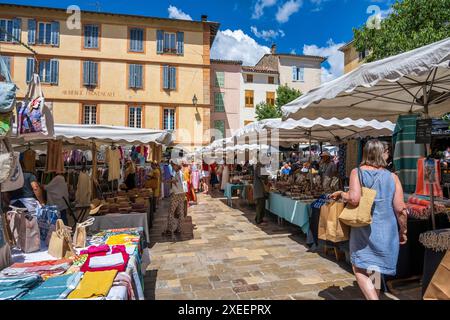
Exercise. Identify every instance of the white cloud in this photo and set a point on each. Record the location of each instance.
(267, 34)
(175, 13)
(236, 45)
(287, 9)
(258, 11)
(293, 51)
(335, 59)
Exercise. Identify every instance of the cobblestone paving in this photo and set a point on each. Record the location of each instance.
(222, 254)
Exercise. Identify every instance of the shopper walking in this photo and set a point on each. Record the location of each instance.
(206, 177)
(259, 194)
(177, 201)
(376, 247)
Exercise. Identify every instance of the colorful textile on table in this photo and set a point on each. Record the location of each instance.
(46, 269)
(123, 279)
(422, 187)
(13, 287)
(105, 261)
(322, 200)
(94, 284)
(406, 151)
(124, 239)
(54, 288)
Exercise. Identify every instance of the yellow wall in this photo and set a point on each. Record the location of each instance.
(351, 59)
(112, 94)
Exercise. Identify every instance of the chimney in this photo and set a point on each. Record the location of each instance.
(273, 49)
(204, 18)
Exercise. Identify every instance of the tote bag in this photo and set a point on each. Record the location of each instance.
(330, 228)
(7, 160)
(60, 245)
(360, 215)
(16, 179)
(7, 90)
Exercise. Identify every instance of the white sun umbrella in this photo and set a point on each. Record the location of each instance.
(414, 81)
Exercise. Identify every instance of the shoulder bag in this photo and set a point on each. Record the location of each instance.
(7, 161)
(360, 215)
(7, 90)
(16, 179)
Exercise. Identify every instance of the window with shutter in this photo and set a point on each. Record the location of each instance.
(91, 34)
(159, 41)
(30, 68)
(32, 24)
(55, 33)
(136, 40)
(169, 119)
(44, 33)
(249, 78)
(90, 73)
(6, 24)
(270, 98)
(7, 61)
(249, 98)
(219, 105)
(135, 76)
(173, 78)
(220, 79)
(17, 28)
(54, 67)
(169, 78)
(180, 43)
(165, 77)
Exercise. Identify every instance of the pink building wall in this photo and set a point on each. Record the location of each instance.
(231, 90)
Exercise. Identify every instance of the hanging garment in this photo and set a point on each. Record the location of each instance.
(83, 194)
(113, 162)
(225, 177)
(195, 177)
(351, 161)
(94, 284)
(55, 160)
(342, 154)
(422, 186)
(406, 151)
(29, 160)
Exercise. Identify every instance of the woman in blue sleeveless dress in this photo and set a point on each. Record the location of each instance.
(374, 249)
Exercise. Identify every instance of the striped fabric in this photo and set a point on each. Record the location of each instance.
(406, 151)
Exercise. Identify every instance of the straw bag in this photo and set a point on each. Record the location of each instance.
(7, 161)
(438, 289)
(79, 237)
(330, 228)
(360, 215)
(60, 245)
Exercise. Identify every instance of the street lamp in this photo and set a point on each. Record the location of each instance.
(194, 100)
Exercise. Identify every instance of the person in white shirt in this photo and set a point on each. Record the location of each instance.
(177, 200)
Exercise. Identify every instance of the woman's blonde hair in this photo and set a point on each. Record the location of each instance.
(373, 154)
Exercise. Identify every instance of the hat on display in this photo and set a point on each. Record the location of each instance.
(96, 205)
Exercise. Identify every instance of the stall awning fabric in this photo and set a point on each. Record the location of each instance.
(323, 130)
(383, 89)
(110, 134)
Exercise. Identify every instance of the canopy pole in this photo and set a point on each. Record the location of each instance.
(94, 170)
(310, 161)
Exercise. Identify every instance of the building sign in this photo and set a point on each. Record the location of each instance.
(423, 130)
(89, 93)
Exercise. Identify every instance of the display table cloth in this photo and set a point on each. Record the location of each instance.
(229, 188)
(293, 211)
(121, 220)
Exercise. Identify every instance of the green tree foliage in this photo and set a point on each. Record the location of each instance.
(411, 24)
(285, 95)
(266, 111)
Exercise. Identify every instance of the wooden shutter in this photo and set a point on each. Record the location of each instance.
(30, 68)
(301, 74)
(31, 31)
(159, 41)
(131, 77)
(94, 73)
(166, 84)
(86, 78)
(173, 78)
(294, 73)
(54, 70)
(55, 34)
(138, 76)
(180, 43)
(17, 28)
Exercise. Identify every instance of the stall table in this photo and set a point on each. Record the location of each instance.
(293, 211)
(229, 188)
(121, 220)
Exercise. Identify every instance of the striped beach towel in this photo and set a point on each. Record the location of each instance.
(406, 151)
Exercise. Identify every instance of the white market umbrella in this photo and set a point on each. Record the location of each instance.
(414, 81)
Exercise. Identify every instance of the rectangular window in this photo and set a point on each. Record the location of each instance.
(91, 34)
(48, 70)
(90, 73)
(298, 74)
(135, 76)
(7, 61)
(169, 119)
(271, 80)
(249, 103)
(136, 40)
(169, 42)
(220, 79)
(135, 117)
(89, 114)
(270, 98)
(220, 126)
(363, 54)
(44, 33)
(219, 105)
(13, 28)
(169, 78)
(249, 78)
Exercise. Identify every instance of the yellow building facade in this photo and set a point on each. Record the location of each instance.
(172, 59)
(352, 57)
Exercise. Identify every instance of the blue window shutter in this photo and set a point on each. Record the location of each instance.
(139, 76)
(294, 73)
(48, 33)
(9, 29)
(94, 73)
(55, 33)
(140, 40)
(166, 84)
(87, 36)
(180, 43)
(86, 77)
(173, 78)
(41, 70)
(159, 41)
(30, 68)
(95, 36)
(41, 35)
(31, 31)
(17, 29)
(302, 74)
(54, 66)
(132, 39)
(131, 82)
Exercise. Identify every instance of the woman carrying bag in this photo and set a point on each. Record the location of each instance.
(375, 246)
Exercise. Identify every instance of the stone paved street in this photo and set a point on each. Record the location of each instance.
(222, 254)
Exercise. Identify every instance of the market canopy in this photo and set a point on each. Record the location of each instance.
(323, 130)
(73, 133)
(414, 81)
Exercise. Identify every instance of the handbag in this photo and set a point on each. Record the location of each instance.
(438, 289)
(60, 245)
(34, 117)
(7, 162)
(330, 228)
(16, 180)
(25, 230)
(360, 215)
(7, 90)
(79, 237)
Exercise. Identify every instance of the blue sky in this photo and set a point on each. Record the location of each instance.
(249, 27)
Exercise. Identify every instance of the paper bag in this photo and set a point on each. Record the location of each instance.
(330, 228)
(439, 287)
(60, 245)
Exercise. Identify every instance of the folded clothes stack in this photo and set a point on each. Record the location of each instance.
(55, 288)
(94, 285)
(420, 207)
(14, 287)
(104, 258)
(45, 269)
